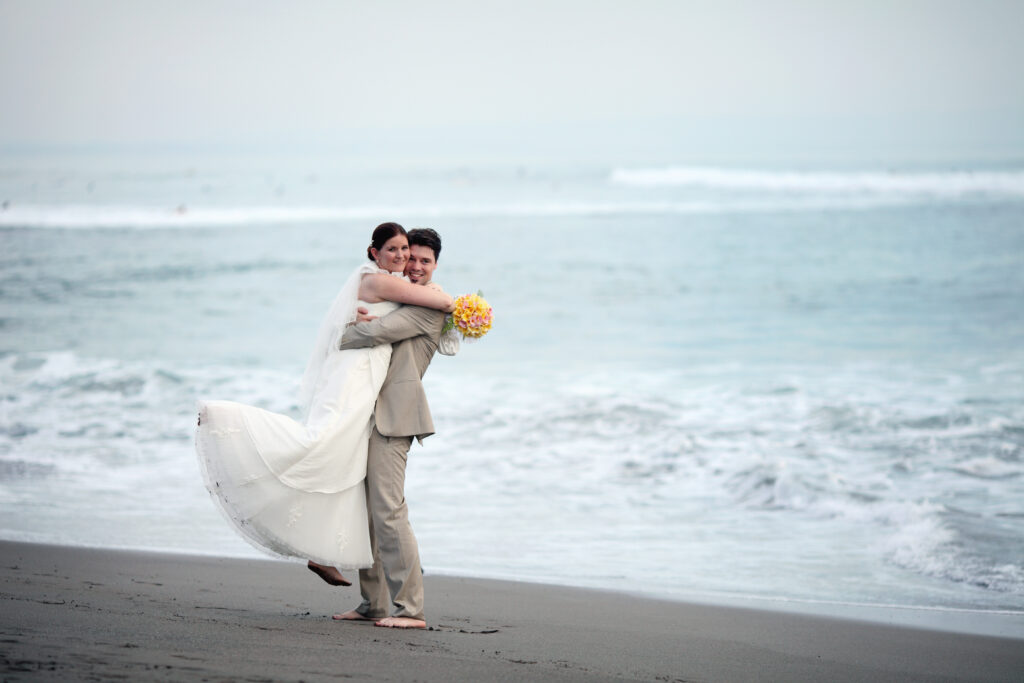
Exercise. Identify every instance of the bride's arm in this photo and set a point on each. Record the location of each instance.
(379, 287)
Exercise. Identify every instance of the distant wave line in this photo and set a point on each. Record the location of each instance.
(120, 216)
(948, 183)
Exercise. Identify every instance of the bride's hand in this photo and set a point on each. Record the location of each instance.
(438, 288)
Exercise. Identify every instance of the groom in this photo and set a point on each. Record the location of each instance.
(400, 414)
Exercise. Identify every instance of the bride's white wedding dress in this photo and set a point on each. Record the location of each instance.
(296, 488)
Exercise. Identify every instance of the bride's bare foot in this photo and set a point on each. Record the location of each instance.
(401, 622)
(328, 574)
(350, 615)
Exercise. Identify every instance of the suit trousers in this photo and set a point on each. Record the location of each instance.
(396, 576)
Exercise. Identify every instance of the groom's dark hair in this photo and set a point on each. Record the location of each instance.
(426, 237)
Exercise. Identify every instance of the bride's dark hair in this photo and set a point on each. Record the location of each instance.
(381, 234)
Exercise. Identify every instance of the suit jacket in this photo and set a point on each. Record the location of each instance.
(414, 331)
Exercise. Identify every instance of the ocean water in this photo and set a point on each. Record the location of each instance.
(780, 383)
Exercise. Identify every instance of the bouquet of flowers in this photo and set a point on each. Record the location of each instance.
(471, 318)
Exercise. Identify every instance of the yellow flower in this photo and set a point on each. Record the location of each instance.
(472, 316)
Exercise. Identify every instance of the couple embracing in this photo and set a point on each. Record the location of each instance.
(330, 488)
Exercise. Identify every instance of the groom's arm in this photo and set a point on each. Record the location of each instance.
(406, 322)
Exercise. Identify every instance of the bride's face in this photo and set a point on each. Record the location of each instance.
(393, 255)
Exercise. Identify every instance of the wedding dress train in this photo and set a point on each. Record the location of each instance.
(296, 488)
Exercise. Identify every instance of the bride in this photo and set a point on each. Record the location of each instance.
(296, 488)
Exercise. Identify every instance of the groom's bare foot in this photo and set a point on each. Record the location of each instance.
(401, 622)
(351, 615)
(328, 574)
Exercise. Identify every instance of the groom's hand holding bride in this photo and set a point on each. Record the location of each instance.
(363, 316)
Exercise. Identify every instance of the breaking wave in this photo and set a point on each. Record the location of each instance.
(941, 184)
(717, 469)
(140, 217)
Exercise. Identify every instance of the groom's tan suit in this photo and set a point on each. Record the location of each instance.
(400, 414)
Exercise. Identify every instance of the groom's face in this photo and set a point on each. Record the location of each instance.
(421, 265)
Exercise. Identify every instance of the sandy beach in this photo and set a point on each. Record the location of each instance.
(91, 614)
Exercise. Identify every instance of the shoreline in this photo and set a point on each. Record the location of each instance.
(1000, 623)
(72, 612)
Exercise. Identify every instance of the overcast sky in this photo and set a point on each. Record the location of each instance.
(143, 70)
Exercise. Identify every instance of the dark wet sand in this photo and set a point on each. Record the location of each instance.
(84, 614)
